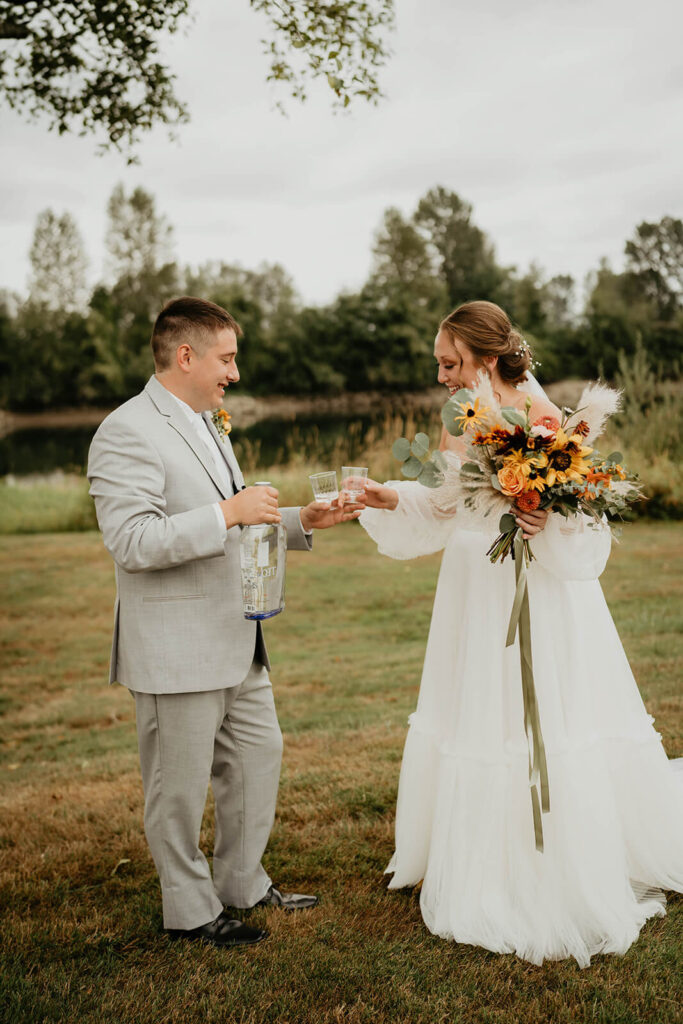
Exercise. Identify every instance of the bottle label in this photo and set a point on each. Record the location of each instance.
(263, 555)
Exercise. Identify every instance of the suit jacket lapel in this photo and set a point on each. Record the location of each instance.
(227, 453)
(170, 409)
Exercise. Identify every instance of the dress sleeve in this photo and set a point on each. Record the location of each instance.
(573, 549)
(412, 528)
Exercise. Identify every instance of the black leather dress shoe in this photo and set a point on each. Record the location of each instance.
(224, 931)
(287, 900)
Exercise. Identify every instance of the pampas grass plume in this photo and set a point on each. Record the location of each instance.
(597, 403)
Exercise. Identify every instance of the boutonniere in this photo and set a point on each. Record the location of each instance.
(221, 421)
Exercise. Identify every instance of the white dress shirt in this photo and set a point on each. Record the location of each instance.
(201, 429)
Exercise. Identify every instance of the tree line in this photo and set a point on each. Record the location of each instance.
(64, 345)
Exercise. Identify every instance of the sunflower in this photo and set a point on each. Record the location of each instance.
(573, 443)
(528, 463)
(566, 460)
(535, 481)
(529, 466)
(472, 415)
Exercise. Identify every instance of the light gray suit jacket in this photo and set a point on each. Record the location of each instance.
(179, 622)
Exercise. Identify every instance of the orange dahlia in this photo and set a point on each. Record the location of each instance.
(549, 422)
(529, 501)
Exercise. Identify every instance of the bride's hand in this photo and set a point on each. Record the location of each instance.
(379, 496)
(531, 522)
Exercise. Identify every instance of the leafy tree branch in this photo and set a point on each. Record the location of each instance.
(95, 67)
(341, 43)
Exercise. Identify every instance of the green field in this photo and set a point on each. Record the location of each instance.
(80, 929)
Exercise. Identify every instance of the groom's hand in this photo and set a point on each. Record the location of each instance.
(320, 515)
(251, 506)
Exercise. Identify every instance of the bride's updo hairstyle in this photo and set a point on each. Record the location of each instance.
(486, 330)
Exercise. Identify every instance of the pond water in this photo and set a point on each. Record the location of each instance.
(41, 450)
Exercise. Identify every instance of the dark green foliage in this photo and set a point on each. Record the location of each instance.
(463, 256)
(91, 67)
(379, 338)
(43, 355)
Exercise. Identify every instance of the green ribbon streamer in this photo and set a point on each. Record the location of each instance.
(520, 618)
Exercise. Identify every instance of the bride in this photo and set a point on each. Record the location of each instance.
(614, 833)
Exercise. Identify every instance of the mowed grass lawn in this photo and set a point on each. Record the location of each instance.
(80, 928)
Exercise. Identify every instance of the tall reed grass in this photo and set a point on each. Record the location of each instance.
(649, 432)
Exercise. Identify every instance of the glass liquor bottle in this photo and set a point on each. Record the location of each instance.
(263, 556)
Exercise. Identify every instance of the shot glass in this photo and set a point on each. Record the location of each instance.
(325, 487)
(354, 479)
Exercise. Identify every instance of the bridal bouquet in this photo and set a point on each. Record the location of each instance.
(513, 460)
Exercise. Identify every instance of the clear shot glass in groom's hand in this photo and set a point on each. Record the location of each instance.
(325, 487)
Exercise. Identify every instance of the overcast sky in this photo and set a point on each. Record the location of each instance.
(559, 120)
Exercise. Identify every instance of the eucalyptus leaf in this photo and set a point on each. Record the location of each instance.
(463, 395)
(472, 468)
(430, 475)
(411, 468)
(514, 416)
(420, 446)
(450, 410)
(401, 449)
(495, 482)
(507, 523)
(615, 457)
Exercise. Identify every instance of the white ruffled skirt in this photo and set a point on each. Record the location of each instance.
(613, 839)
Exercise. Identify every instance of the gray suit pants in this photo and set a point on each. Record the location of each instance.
(231, 738)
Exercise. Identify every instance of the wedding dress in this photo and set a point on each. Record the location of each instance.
(614, 833)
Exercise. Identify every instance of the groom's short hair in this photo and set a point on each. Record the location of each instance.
(188, 321)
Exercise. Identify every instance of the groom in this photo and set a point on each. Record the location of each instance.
(170, 502)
